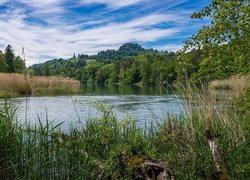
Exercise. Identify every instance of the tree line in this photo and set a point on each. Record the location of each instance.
(138, 65)
(9, 63)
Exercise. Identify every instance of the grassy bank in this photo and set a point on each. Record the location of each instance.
(107, 148)
(19, 84)
(235, 83)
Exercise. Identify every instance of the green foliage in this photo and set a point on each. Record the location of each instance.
(130, 64)
(188, 65)
(224, 43)
(19, 65)
(241, 102)
(72, 68)
(3, 64)
(9, 57)
(9, 63)
(46, 70)
(104, 74)
(90, 71)
(147, 69)
(126, 50)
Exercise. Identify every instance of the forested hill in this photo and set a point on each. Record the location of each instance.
(126, 50)
(130, 64)
(109, 56)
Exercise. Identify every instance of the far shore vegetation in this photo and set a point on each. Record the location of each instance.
(12, 85)
(16, 79)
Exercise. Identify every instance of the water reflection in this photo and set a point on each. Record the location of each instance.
(141, 103)
(123, 90)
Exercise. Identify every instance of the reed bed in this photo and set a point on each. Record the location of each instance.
(19, 84)
(235, 83)
(112, 149)
(14, 84)
(54, 85)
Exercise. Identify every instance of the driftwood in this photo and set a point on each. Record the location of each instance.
(217, 157)
(139, 168)
(143, 168)
(156, 170)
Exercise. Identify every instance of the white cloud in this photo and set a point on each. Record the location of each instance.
(63, 32)
(62, 40)
(40, 3)
(169, 47)
(113, 3)
(3, 1)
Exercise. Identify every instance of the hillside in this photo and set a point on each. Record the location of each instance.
(124, 65)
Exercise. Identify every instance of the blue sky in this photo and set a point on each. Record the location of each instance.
(58, 28)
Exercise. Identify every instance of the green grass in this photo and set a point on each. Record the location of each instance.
(6, 94)
(116, 147)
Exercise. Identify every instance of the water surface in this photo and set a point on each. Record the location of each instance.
(145, 105)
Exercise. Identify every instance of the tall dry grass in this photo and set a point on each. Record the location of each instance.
(206, 114)
(56, 85)
(19, 84)
(13, 84)
(234, 83)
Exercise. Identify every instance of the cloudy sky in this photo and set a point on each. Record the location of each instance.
(57, 28)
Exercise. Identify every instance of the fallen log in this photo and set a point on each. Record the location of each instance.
(150, 169)
(221, 170)
(139, 167)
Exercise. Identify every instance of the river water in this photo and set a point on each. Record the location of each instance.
(145, 105)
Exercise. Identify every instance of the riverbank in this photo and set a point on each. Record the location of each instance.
(13, 85)
(107, 148)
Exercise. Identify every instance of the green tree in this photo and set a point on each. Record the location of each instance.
(19, 65)
(225, 43)
(133, 74)
(188, 64)
(128, 70)
(9, 57)
(3, 64)
(145, 69)
(104, 73)
(90, 71)
(46, 70)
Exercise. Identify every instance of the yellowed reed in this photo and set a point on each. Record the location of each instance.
(25, 84)
(235, 83)
(54, 83)
(14, 83)
(209, 111)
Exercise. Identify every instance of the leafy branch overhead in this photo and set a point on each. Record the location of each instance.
(224, 45)
(229, 21)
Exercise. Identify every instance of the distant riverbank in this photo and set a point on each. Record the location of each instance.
(13, 85)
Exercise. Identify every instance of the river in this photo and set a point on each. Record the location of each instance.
(145, 105)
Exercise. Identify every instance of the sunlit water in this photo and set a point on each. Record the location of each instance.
(74, 111)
